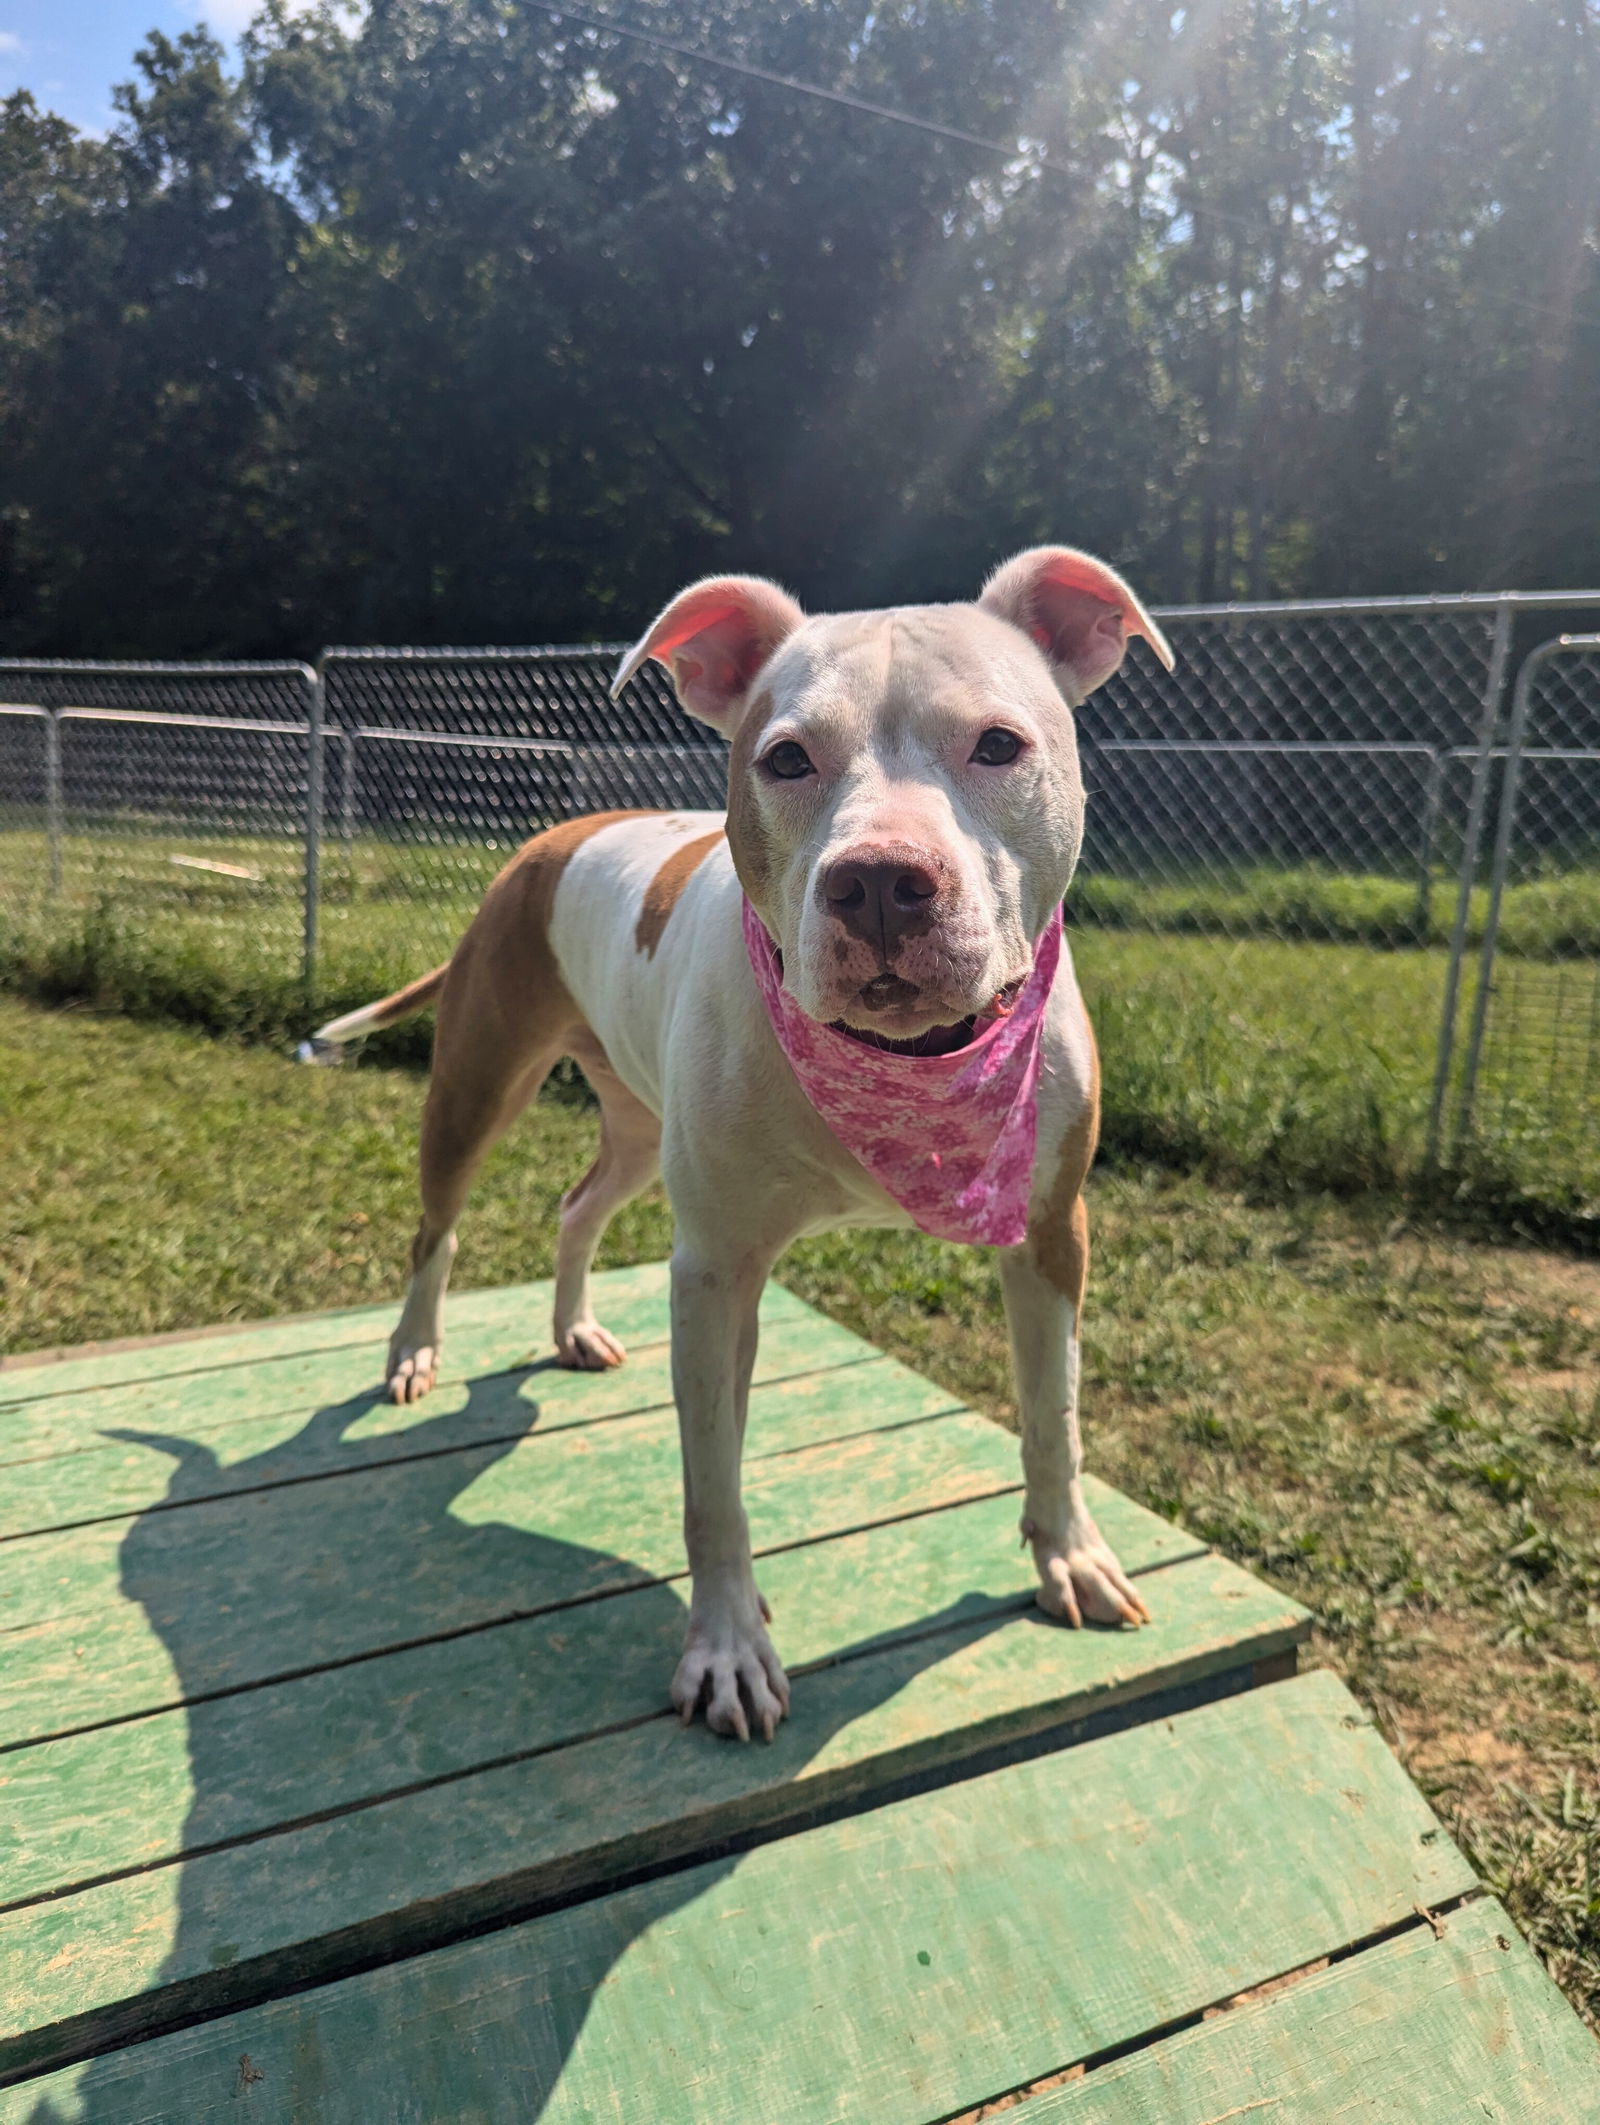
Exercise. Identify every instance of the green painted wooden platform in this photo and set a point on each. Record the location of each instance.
(337, 1780)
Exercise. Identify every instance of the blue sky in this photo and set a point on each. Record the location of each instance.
(70, 52)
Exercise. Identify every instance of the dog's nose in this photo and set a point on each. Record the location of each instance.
(881, 897)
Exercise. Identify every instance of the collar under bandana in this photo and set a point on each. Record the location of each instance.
(950, 1137)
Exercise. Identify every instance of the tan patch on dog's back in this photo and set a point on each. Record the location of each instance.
(661, 894)
(504, 973)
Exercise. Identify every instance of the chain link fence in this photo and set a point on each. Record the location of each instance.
(162, 813)
(442, 761)
(1310, 804)
(1287, 743)
(1338, 913)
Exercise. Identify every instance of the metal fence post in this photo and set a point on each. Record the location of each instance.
(1516, 740)
(347, 803)
(1493, 693)
(313, 868)
(1432, 796)
(54, 805)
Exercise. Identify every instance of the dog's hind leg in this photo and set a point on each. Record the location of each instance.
(504, 1021)
(505, 1018)
(467, 1110)
(629, 1159)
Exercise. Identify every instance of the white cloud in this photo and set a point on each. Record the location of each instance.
(229, 17)
(11, 42)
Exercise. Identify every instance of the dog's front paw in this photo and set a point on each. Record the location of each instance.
(411, 1373)
(587, 1347)
(1080, 1579)
(729, 1665)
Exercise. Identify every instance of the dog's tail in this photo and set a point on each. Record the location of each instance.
(326, 1043)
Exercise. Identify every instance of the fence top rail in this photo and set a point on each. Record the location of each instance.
(544, 653)
(62, 668)
(163, 721)
(1555, 752)
(1478, 601)
(469, 741)
(1475, 601)
(1486, 601)
(1255, 745)
(1501, 752)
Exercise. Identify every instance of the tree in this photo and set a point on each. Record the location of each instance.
(454, 319)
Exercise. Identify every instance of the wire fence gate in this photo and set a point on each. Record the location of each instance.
(1367, 828)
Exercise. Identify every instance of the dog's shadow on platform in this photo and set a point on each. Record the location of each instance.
(271, 1582)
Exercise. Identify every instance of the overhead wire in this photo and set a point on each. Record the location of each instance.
(786, 81)
(1017, 153)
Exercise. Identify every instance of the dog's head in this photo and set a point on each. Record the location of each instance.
(904, 803)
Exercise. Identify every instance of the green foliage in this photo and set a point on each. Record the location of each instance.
(448, 320)
(141, 366)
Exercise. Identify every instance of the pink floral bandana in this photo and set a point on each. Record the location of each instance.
(950, 1137)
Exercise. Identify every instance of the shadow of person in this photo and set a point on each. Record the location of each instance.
(273, 1581)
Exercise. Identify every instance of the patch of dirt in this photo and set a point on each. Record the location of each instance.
(1571, 1380)
(1332, 1377)
(1454, 1734)
(1478, 1752)
(1269, 1990)
(1550, 1279)
(1002, 2103)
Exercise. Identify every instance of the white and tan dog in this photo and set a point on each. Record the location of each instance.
(904, 815)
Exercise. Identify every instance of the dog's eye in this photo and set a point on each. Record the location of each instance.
(789, 762)
(997, 748)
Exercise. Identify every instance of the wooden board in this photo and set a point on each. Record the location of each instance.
(1418, 2030)
(361, 1693)
(131, 1467)
(503, 1332)
(337, 1568)
(128, 1794)
(418, 1867)
(900, 1964)
(218, 1351)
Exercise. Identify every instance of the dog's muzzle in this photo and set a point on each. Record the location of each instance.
(882, 896)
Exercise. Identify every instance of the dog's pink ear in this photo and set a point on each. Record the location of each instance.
(714, 637)
(1079, 611)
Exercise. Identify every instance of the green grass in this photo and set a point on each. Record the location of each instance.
(1279, 1062)
(134, 932)
(241, 1186)
(1555, 917)
(1400, 1430)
